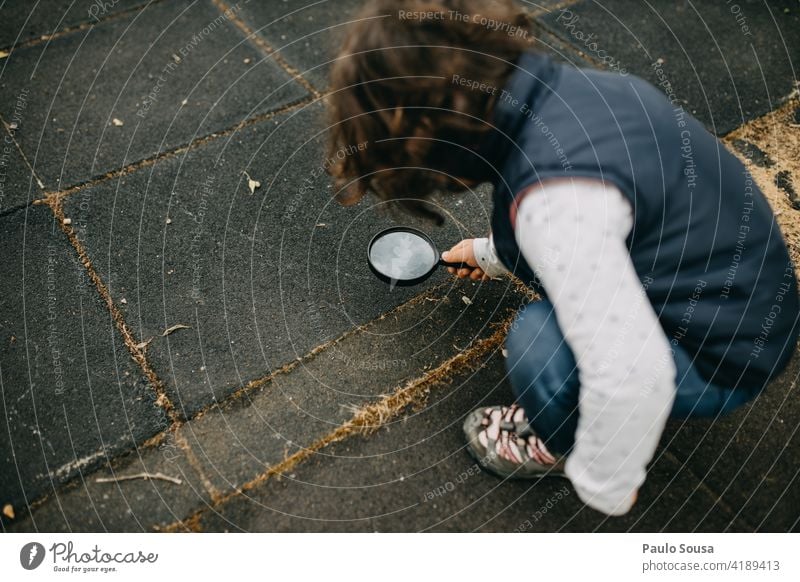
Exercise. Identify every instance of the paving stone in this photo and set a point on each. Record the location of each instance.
(415, 475)
(260, 278)
(240, 441)
(751, 457)
(307, 34)
(71, 394)
(310, 34)
(24, 21)
(139, 70)
(132, 505)
(17, 184)
(726, 62)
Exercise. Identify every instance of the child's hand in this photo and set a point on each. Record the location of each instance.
(462, 253)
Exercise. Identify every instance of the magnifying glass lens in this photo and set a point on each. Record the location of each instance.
(402, 255)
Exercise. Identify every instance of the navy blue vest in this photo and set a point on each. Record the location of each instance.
(705, 242)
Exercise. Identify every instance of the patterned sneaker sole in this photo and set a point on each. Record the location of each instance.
(480, 459)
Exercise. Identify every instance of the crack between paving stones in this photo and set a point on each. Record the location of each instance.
(138, 355)
(157, 439)
(58, 195)
(77, 27)
(256, 39)
(265, 380)
(195, 464)
(365, 421)
(162, 399)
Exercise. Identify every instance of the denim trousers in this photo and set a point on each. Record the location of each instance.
(544, 377)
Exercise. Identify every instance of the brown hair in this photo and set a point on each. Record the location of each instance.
(397, 111)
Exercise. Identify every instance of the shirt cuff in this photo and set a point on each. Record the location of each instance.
(488, 261)
(601, 499)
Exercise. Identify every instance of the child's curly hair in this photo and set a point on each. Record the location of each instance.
(395, 87)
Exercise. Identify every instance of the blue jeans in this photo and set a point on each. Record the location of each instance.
(544, 377)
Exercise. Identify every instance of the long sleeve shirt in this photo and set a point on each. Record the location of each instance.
(572, 234)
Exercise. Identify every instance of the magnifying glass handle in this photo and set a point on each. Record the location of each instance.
(455, 265)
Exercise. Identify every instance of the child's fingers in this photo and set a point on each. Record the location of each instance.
(451, 270)
(456, 254)
(461, 244)
(476, 274)
(464, 272)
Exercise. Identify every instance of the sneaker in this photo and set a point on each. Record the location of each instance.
(501, 440)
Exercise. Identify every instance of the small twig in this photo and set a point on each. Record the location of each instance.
(145, 476)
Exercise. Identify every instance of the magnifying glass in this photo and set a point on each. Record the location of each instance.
(404, 256)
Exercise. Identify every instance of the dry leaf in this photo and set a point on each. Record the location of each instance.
(466, 300)
(252, 184)
(8, 511)
(117, 122)
(67, 221)
(3, 54)
(175, 327)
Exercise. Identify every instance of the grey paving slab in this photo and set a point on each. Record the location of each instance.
(751, 457)
(414, 475)
(260, 278)
(307, 33)
(126, 505)
(17, 184)
(724, 62)
(72, 397)
(23, 21)
(238, 442)
(169, 73)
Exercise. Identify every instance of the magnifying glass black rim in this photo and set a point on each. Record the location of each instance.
(402, 282)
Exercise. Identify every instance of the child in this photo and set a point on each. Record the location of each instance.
(667, 289)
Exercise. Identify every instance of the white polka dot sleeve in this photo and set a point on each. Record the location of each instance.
(572, 233)
(486, 256)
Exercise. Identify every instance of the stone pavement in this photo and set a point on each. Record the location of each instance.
(297, 393)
